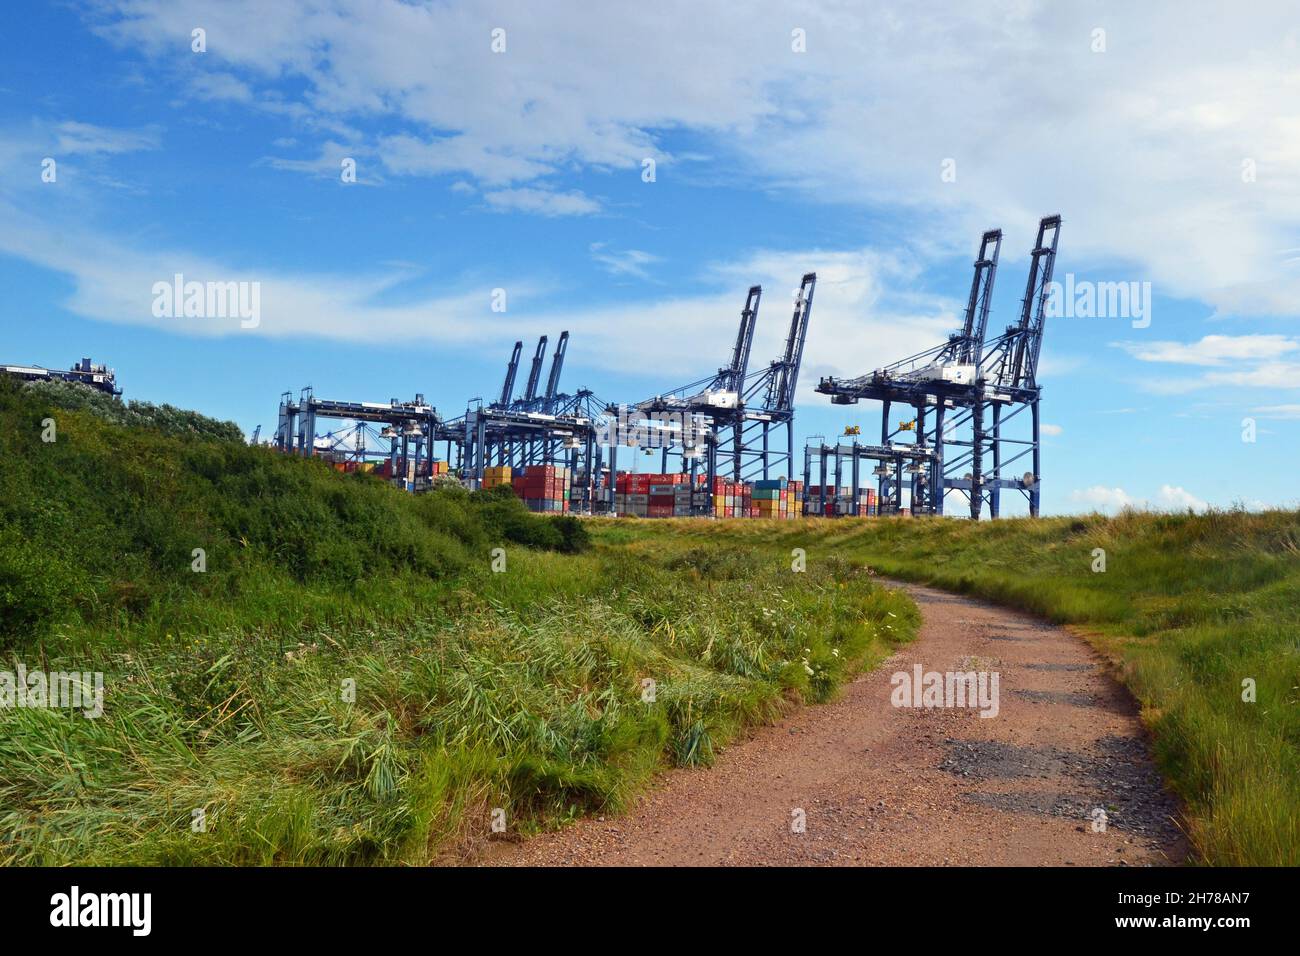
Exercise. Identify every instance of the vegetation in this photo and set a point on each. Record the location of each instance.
(1189, 607)
(348, 681)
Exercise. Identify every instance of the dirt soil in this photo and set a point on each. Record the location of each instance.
(884, 785)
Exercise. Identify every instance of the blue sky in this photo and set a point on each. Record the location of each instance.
(1169, 142)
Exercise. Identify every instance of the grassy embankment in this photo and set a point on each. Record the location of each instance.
(226, 690)
(1189, 607)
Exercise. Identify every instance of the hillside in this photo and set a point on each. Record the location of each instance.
(347, 680)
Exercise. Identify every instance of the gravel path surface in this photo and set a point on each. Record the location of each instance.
(883, 785)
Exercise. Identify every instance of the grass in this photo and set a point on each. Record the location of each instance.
(348, 681)
(1189, 607)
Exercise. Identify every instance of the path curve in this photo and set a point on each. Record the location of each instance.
(880, 785)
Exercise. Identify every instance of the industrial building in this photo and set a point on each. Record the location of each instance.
(99, 377)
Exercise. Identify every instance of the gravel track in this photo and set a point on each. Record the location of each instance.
(880, 785)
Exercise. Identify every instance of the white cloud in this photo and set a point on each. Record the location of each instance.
(1161, 129)
(1177, 498)
(629, 262)
(1101, 498)
(1212, 349)
(222, 86)
(1047, 429)
(72, 138)
(856, 321)
(541, 201)
(1257, 362)
(1110, 500)
(1278, 411)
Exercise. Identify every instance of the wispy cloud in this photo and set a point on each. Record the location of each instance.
(627, 262)
(75, 138)
(1290, 412)
(541, 201)
(1244, 361)
(1110, 500)
(422, 87)
(1213, 350)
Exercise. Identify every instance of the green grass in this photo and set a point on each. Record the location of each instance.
(1189, 606)
(230, 691)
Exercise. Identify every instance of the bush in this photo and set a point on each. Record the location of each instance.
(32, 589)
(125, 495)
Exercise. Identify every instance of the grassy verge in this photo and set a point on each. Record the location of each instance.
(1189, 606)
(348, 680)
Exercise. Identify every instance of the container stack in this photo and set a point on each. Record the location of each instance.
(543, 488)
(730, 499)
(867, 503)
(632, 495)
(837, 500)
(682, 498)
(771, 498)
(495, 475)
(666, 495)
(794, 503)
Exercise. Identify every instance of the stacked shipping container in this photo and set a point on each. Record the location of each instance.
(494, 475)
(839, 501)
(543, 487)
(673, 496)
(771, 498)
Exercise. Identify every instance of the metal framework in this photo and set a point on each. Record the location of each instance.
(411, 428)
(733, 413)
(536, 428)
(964, 394)
(915, 458)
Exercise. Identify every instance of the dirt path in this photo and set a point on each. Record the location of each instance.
(880, 785)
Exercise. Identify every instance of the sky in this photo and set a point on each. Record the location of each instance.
(383, 171)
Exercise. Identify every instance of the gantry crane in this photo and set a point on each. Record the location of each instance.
(732, 413)
(952, 388)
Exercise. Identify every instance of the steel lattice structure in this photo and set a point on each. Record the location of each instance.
(742, 420)
(964, 395)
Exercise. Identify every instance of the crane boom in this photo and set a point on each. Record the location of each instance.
(557, 365)
(511, 370)
(733, 377)
(780, 394)
(981, 295)
(535, 373)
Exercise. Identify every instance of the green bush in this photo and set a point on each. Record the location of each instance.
(125, 495)
(33, 587)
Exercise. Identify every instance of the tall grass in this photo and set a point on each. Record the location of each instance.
(1189, 607)
(350, 682)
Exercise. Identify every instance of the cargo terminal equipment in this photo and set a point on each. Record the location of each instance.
(725, 443)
